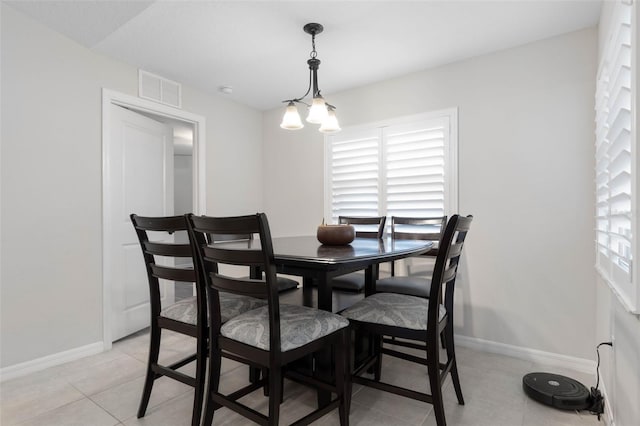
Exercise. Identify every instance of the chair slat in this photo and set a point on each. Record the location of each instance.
(167, 249)
(365, 220)
(455, 250)
(242, 286)
(449, 274)
(234, 257)
(416, 236)
(174, 274)
(232, 225)
(166, 224)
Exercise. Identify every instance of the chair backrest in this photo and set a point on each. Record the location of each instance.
(156, 248)
(418, 228)
(446, 267)
(242, 251)
(364, 231)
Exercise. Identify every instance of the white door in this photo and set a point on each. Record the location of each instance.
(140, 180)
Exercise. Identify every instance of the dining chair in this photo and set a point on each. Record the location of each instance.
(414, 228)
(365, 227)
(187, 316)
(270, 337)
(418, 320)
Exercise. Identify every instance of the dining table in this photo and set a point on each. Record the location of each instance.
(318, 263)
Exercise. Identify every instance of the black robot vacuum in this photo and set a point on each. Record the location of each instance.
(557, 391)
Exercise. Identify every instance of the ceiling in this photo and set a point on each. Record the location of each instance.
(259, 49)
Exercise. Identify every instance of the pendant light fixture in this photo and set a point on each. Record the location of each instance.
(320, 112)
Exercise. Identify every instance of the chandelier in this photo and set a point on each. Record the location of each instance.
(320, 112)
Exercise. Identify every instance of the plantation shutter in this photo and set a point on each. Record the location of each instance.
(354, 172)
(615, 146)
(415, 168)
(402, 168)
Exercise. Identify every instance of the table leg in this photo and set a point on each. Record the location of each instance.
(370, 275)
(307, 291)
(365, 343)
(323, 357)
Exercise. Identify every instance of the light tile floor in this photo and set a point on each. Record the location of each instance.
(104, 390)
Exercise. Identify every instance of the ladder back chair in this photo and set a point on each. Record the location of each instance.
(270, 337)
(188, 316)
(366, 227)
(419, 320)
(413, 228)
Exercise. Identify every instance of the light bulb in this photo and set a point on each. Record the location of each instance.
(318, 111)
(291, 119)
(330, 124)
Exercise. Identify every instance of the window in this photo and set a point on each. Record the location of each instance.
(403, 167)
(616, 157)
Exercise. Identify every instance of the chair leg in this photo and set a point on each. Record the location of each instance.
(275, 394)
(265, 388)
(215, 361)
(343, 375)
(201, 370)
(254, 374)
(377, 348)
(154, 350)
(265, 375)
(451, 354)
(435, 382)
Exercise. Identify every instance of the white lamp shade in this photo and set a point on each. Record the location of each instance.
(330, 124)
(318, 111)
(291, 119)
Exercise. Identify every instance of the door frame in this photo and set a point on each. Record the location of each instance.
(109, 98)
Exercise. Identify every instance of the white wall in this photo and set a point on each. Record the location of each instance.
(526, 132)
(620, 365)
(51, 277)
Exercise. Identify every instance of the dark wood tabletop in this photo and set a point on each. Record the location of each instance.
(318, 263)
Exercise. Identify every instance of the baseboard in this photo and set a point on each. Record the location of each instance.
(24, 368)
(547, 358)
(608, 413)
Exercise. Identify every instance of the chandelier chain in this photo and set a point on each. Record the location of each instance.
(313, 53)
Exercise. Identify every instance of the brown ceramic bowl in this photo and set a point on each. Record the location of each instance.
(336, 235)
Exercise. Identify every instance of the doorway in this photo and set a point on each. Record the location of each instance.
(149, 159)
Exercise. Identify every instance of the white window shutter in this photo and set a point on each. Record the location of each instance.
(398, 168)
(615, 147)
(354, 173)
(415, 169)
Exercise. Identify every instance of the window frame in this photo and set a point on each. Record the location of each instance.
(450, 156)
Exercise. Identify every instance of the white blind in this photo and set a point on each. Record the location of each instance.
(354, 172)
(615, 145)
(415, 168)
(396, 169)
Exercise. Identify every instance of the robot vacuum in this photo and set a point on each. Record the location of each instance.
(557, 391)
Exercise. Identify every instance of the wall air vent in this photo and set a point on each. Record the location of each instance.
(159, 89)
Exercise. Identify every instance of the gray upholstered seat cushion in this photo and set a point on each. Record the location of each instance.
(299, 325)
(230, 305)
(285, 283)
(393, 309)
(414, 286)
(184, 311)
(352, 282)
